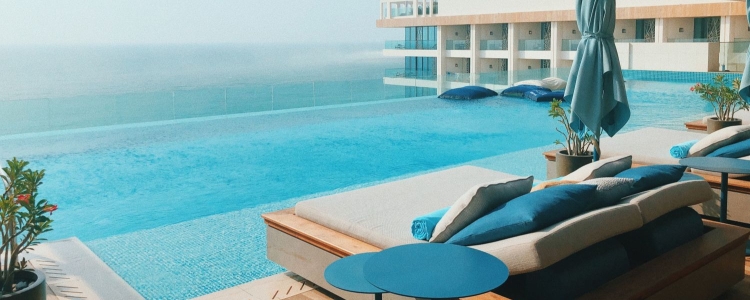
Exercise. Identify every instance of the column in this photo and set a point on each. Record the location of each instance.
(512, 52)
(441, 62)
(555, 45)
(474, 39)
(660, 30)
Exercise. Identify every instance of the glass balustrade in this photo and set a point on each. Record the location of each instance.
(532, 45)
(411, 45)
(570, 45)
(458, 77)
(493, 45)
(456, 45)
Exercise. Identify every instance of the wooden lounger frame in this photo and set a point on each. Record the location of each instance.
(701, 269)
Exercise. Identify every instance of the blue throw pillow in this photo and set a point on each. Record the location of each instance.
(519, 90)
(649, 177)
(527, 213)
(736, 150)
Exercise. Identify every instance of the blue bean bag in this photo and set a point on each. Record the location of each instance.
(543, 96)
(519, 90)
(468, 93)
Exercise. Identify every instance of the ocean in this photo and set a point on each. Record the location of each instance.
(70, 87)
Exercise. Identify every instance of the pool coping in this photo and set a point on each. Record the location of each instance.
(73, 271)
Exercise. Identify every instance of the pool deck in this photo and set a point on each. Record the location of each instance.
(73, 271)
(263, 286)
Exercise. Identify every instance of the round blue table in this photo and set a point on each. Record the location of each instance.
(435, 271)
(723, 165)
(346, 274)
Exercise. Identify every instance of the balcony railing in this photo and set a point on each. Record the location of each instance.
(493, 45)
(570, 45)
(414, 74)
(456, 45)
(411, 45)
(689, 41)
(500, 78)
(532, 45)
(458, 77)
(633, 41)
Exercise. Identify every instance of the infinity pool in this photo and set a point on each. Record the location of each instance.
(174, 207)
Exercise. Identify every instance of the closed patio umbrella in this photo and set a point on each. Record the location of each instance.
(596, 89)
(745, 83)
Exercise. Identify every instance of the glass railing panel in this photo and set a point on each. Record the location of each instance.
(527, 74)
(531, 45)
(499, 78)
(740, 46)
(144, 107)
(332, 92)
(688, 41)
(570, 45)
(411, 45)
(493, 45)
(244, 99)
(198, 103)
(456, 45)
(458, 77)
(633, 41)
(293, 95)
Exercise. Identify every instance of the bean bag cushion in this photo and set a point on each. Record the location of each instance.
(468, 93)
(519, 90)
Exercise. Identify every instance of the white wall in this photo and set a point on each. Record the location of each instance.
(452, 62)
(484, 65)
(738, 28)
(692, 57)
(524, 28)
(672, 28)
(566, 30)
(628, 25)
(524, 64)
(484, 31)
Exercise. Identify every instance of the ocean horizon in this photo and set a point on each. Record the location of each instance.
(50, 72)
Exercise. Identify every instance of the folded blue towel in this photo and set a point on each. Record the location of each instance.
(422, 226)
(681, 150)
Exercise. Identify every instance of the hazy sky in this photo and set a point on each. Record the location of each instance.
(34, 22)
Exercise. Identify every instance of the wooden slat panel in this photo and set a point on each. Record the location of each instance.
(645, 280)
(734, 8)
(319, 236)
(696, 125)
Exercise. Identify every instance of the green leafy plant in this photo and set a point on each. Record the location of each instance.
(23, 217)
(725, 99)
(574, 143)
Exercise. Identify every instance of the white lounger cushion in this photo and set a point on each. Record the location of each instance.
(381, 215)
(718, 139)
(648, 146)
(537, 250)
(659, 201)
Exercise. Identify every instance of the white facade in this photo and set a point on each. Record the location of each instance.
(472, 40)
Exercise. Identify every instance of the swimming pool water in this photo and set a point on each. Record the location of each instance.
(173, 207)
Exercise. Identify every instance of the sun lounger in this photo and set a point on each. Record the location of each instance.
(317, 232)
(700, 124)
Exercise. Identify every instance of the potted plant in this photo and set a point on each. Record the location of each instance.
(23, 217)
(725, 100)
(576, 153)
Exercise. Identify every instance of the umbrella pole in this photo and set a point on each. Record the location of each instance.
(597, 150)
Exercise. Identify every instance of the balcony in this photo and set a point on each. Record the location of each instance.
(413, 74)
(457, 45)
(493, 45)
(411, 45)
(533, 45)
(570, 45)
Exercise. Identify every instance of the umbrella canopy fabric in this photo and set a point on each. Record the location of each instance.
(745, 84)
(596, 89)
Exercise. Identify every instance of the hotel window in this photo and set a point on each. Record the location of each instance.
(645, 30)
(435, 7)
(707, 29)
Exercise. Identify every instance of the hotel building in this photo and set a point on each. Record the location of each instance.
(450, 43)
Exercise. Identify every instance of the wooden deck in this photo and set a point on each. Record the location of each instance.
(740, 291)
(696, 125)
